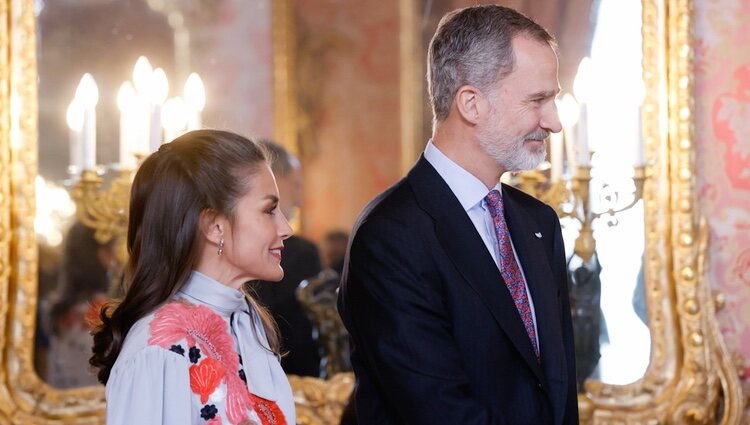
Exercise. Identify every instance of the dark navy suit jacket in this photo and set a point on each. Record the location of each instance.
(436, 336)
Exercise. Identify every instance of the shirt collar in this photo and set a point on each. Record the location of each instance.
(469, 190)
(206, 290)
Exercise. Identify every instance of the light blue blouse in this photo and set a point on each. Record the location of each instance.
(150, 384)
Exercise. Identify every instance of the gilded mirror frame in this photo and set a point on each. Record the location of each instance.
(691, 377)
(690, 374)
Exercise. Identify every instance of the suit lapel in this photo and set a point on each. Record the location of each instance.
(458, 236)
(544, 292)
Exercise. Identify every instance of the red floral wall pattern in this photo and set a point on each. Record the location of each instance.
(722, 132)
(731, 121)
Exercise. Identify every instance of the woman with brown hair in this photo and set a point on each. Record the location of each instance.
(185, 345)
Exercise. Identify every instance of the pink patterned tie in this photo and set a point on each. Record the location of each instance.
(509, 269)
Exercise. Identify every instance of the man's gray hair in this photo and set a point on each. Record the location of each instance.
(279, 159)
(473, 46)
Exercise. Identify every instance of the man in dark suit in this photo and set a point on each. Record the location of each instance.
(455, 289)
(300, 261)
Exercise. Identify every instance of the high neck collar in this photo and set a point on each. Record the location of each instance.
(220, 297)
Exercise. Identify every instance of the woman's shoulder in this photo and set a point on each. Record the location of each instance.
(167, 327)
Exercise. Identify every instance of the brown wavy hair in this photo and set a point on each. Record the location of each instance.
(203, 169)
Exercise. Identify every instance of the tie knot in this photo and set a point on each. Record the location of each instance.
(494, 203)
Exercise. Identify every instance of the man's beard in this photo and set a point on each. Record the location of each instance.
(515, 156)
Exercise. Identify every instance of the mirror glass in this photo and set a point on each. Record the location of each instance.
(615, 137)
(227, 44)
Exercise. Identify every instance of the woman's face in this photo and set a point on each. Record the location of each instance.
(253, 244)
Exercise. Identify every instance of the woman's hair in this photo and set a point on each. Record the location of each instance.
(200, 170)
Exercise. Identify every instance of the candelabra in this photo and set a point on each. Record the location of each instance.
(147, 119)
(104, 208)
(573, 200)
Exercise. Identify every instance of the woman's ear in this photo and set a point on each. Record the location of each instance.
(471, 104)
(212, 225)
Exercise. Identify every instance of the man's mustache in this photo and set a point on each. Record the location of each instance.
(537, 135)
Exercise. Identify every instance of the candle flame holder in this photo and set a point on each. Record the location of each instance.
(104, 208)
(573, 200)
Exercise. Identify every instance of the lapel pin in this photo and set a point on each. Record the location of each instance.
(538, 235)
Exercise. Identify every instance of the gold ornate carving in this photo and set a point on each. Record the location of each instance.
(318, 297)
(321, 402)
(690, 372)
(105, 209)
(29, 399)
(558, 194)
(5, 226)
(690, 375)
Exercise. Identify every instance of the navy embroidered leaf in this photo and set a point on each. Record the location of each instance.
(194, 354)
(240, 356)
(242, 375)
(177, 349)
(209, 411)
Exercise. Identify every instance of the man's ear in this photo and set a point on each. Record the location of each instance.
(471, 104)
(212, 225)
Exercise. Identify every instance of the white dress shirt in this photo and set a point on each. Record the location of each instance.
(471, 192)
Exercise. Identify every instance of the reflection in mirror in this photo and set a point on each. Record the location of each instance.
(102, 105)
(601, 208)
(614, 134)
(203, 37)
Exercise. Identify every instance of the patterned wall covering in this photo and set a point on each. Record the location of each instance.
(233, 52)
(722, 115)
(348, 79)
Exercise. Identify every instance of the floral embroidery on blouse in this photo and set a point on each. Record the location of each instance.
(177, 348)
(214, 359)
(206, 377)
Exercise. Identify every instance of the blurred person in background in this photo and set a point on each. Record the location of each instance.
(85, 280)
(334, 247)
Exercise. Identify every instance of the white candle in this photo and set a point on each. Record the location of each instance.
(142, 78)
(582, 88)
(569, 113)
(155, 130)
(556, 156)
(142, 119)
(127, 102)
(173, 118)
(74, 119)
(640, 155)
(570, 149)
(195, 100)
(89, 139)
(88, 95)
(583, 137)
(142, 73)
(159, 91)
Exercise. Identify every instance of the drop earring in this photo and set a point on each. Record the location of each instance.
(221, 247)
